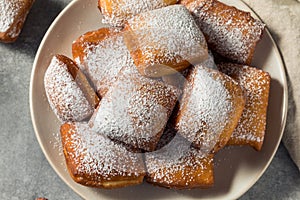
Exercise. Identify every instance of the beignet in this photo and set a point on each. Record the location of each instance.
(252, 124)
(68, 92)
(135, 110)
(13, 14)
(101, 54)
(94, 160)
(116, 12)
(210, 108)
(164, 41)
(180, 166)
(231, 32)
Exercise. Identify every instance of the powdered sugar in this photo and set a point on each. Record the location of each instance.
(255, 83)
(205, 108)
(104, 60)
(230, 32)
(116, 12)
(8, 12)
(96, 155)
(177, 157)
(168, 35)
(65, 97)
(135, 110)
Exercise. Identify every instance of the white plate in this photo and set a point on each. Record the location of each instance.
(236, 168)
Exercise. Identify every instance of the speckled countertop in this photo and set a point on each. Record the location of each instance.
(25, 172)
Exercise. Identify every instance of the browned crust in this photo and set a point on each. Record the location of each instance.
(203, 175)
(238, 103)
(92, 180)
(165, 66)
(89, 39)
(114, 10)
(239, 17)
(81, 80)
(17, 24)
(257, 104)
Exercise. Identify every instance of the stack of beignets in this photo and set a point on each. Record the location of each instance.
(13, 14)
(161, 93)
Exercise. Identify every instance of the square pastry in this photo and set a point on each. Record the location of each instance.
(178, 165)
(94, 160)
(101, 54)
(252, 124)
(231, 32)
(210, 108)
(68, 91)
(164, 41)
(135, 110)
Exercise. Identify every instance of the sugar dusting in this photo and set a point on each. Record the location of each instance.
(104, 60)
(230, 32)
(168, 35)
(95, 154)
(65, 97)
(135, 110)
(255, 83)
(56, 142)
(176, 157)
(123, 10)
(8, 12)
(205, 108)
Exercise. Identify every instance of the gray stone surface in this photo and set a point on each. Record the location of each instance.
(25, 172)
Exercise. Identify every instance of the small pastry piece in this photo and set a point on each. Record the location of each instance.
(180, 166)
(13, 14)
(229, 31)
(252, 124)
(116, 12)
(135, 110)
(68, 91)
(210, 108)
(101, 54)
(164, 41)
(94, 160)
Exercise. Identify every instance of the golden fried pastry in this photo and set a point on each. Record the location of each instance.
(164, 41)
(252, 124)
(116, 12)
(180, 166)
(135, 110)
(210, 108)
(13, 14)
(101, 54)
(229, 31)
(68, 91)
(94, 160)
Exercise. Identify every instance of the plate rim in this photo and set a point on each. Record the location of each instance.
(52, 164)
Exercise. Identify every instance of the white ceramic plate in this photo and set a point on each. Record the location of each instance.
(236, 168)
